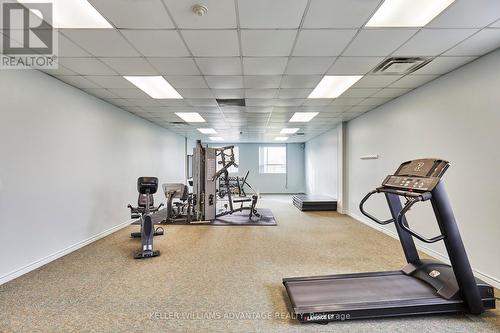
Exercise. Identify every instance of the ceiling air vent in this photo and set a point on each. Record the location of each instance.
(300, 134)
(401, 65)
(231, 102)
(177, 123)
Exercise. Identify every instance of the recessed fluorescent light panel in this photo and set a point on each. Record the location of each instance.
(155, 86)
(332, 86)
(190, 117)
(281, 138)
(74, 14)
(407, 13)
(289, 130)
(207, 130)
(216, 138)
(303, 117)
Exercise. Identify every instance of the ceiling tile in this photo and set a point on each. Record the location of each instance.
(264, 65)
(202, 102)
(263, 14)
(318, 101)
(360, 92)
(110, 81)
(309, 65)
(259, 109)
(354, 65)
(391, 92)
(443, 65)
(412, 81)
(322, 42)
(468, 14)
(339, 13)
(220, 66)
(496, 24)
(130, 66)
(375, 101)
(294, 93)
(172, 102)
(101, 42)
(225, 82)
(129, 93)
(100, 93)
(432, 42)
(144, 103)
(347, 101)
(259, 102)
(376, 81)
(69, 49)
(157, 43)
(267, 42)
(481, 43)
(195, 93)
(86, 66)
(174, 66)
(378, 42)
(119, 102)
(335, 108)
(210, 43)
(78, 81)
(186, 81)
(134, 14)
(262, 81)
(221, 14)
(289, 102)
(229, 93)
(300, 81)
(261, 93)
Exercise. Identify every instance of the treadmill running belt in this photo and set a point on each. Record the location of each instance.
(346, 291)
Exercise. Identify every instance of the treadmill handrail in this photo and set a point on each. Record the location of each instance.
(371, 217)
(423, 197)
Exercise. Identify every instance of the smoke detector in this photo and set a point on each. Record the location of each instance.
(401, 65)
(199, 9)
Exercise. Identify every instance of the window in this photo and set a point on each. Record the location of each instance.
(272, 159)
(232, 169)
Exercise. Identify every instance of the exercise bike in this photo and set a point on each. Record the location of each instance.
(147, 186)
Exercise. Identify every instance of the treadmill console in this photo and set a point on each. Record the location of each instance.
(425, 167)
(417, 175)
(406, 183)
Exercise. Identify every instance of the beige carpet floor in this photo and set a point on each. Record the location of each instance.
(208, 277)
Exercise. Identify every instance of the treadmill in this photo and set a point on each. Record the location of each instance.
(421, 286)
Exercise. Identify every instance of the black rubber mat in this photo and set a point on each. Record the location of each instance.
(238, 219)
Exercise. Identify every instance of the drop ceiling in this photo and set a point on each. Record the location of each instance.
(270, 52)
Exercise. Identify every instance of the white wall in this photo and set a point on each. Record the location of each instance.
(457, 118)
(321, 164)
(69, 165)
(292, 182)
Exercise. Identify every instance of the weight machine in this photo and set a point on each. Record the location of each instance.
(200, 206)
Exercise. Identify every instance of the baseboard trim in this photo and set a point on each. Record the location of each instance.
(56, 255)
(483, 276)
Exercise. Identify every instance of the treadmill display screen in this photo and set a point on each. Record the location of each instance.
(423, 168)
